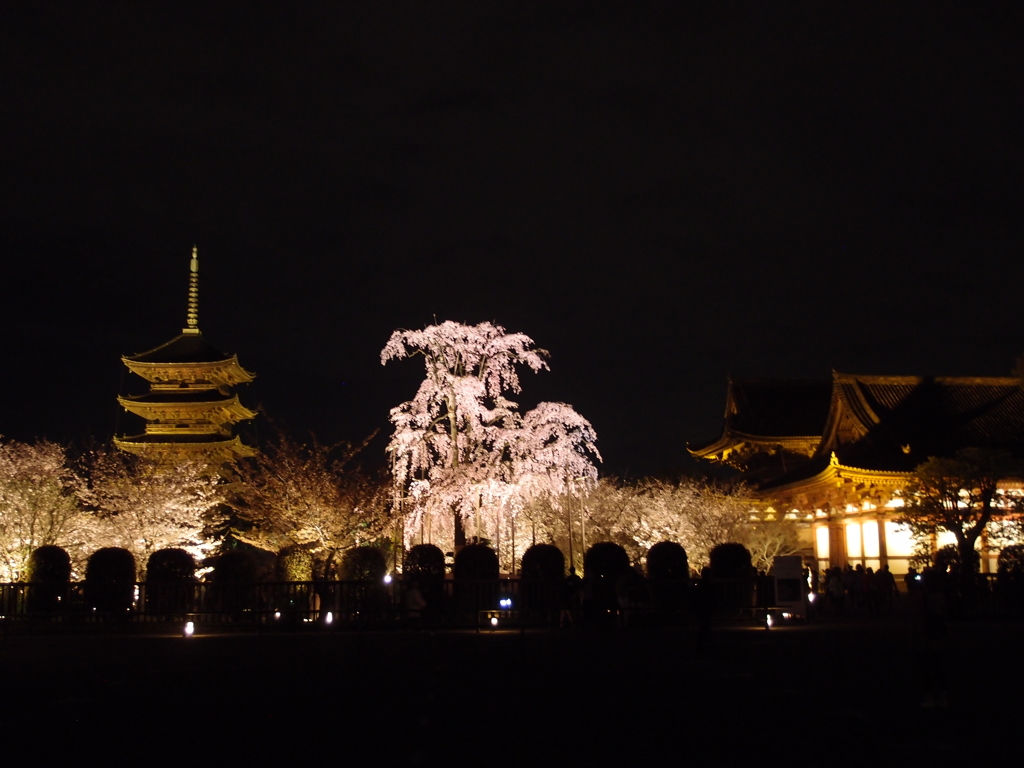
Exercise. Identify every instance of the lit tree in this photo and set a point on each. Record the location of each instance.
(768, 539)
(144, 506)
(697, 515)
(305, 493)
(461, 451)
(962, 495)
(38, 503)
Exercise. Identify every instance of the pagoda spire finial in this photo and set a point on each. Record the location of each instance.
(192, 317)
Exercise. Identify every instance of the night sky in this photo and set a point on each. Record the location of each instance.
(660, 194)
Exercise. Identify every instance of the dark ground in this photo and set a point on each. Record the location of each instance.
(832, 693)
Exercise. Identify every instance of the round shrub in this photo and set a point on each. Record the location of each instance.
(540, 589)
(605, 560)
(110, 580)
(363, 564)
(170, 582)
(424, 560)
(171, 565)
(667, 560)
(733, 574)
(730, 561)
(49, 573)
(48, 565)
(543, 561)
(476, 578)
(234, 567)
(476, 561)
(294, 563)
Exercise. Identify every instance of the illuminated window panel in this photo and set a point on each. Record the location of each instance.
(821, 542)
(898, 541)
(874, 565)
(945, 538)
(870, 529)
(853, 548)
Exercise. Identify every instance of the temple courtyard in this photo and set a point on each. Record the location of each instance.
(832, 692)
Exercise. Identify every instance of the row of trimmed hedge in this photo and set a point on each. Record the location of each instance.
(665, 560)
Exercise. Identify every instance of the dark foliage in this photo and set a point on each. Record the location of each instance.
(605, 560)
(1010, 575)
(49, 565)
(363, 564)
(476, 578)
(668, 568)
(1011, 559)
(170, 582)
(733, 577)
(234, 567)
(476, 561)
(110, 580)
(234, 574)
(424, 561)
(667, 560)
(948, 560)
(367, 566)
(543, 561)
(49, 572)
(171, 565)
(730, 561)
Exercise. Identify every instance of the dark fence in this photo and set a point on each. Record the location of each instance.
(286, 604)
(439, 603)
(339, 604)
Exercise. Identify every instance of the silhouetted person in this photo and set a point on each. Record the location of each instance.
(931, 636)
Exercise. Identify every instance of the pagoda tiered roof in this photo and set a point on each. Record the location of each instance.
(190, 408)
(188, 358)
(184, 405)
(214, 448)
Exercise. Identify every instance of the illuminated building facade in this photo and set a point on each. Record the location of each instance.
(191, 407)
(844, 484)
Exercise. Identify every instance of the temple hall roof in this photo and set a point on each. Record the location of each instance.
(771, 407)
(897, 422)
(769, 411)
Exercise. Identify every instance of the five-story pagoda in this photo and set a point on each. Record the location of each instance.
(191, 407)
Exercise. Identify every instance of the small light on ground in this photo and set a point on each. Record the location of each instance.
(277, 615)
(387, 578)
(494, 621)
(189, 630)
(329, 618)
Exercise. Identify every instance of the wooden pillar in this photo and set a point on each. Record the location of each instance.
(837, 545)
(883, 546)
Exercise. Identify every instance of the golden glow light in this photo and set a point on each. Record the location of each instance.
(853, 548)
(821, 542)
(870, 528)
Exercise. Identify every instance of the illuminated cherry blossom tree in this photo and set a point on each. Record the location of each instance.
(145, 506)
(695, 514)
(463, 456)
(38, 503)
(305, 493)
